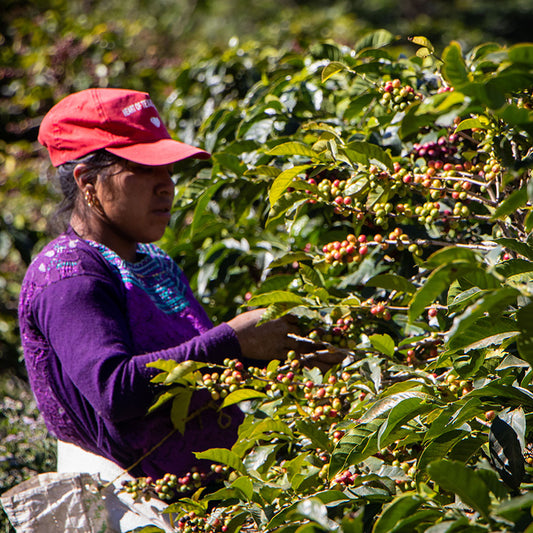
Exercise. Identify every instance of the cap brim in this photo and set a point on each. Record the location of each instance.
(162, 152)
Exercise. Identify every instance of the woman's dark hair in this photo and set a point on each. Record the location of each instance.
(95, 163)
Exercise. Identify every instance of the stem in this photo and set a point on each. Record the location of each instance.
(424, 242)
(209, 405)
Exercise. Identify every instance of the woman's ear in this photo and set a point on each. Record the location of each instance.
(86, 186)
(82, 177)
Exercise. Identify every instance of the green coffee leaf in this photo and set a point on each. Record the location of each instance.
(399, 415)
(511, 204)
(183, 369)
(521, 53)
(516, 246)
(318, 438)
(453, 417)
(481, 122)
(436, 284)
(333, 68)
(383, 344)
(180, 409)
(224, 457)
(401, 507)
(392, 282)
(242, 395)
(165, 397)
(293, 148)
(313, 509)
(508, 508)
(524, 318)
(276, 297)
(463, 481)
(450, 254)
(506, 452)
(244, 486)
(283, 181)
(364, 152)
(454, 69)
(437, 448)
(374, 39)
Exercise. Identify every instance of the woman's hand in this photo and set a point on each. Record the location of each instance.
(269, 340)
(273, 339)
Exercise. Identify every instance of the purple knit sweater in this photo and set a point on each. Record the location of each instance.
(90, 322)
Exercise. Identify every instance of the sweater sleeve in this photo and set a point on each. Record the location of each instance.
(83, 321)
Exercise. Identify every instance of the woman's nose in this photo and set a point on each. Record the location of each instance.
(165, 184)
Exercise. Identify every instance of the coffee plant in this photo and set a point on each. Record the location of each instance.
(382, 194)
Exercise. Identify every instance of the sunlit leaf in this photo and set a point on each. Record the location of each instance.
(449, 254)
(276, 297)
(245, 486)
(516, 246)
(514, 201)
(480, 122)
(383, 343)
(224, 457)
(284, 180)
(183, 369)
(454, 69)
(374, 39)
(333, 68)
(363, 152)
(399, 415)
(242, 395)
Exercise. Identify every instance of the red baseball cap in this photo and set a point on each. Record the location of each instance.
(123, 122)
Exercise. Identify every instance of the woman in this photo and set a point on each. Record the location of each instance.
(100, 301)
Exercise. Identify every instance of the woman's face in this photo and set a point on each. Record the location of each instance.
(135, 203)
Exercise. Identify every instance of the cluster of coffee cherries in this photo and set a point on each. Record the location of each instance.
(350, 250)
(167, 487)
(220, 384)
(336, 434)
(443, 149)
(341, 333)
(455, 387)
(403, 457)
(396, 96)
(379, 310)
(491, 169)
(140, 487)
(353, 249)
(145, 487)
(193, 523)
(344, 479)
(428, 213)
(381, 211)
(334, 191)
(401, 240)
(330, 189)
(418, 354)
(326, 401)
